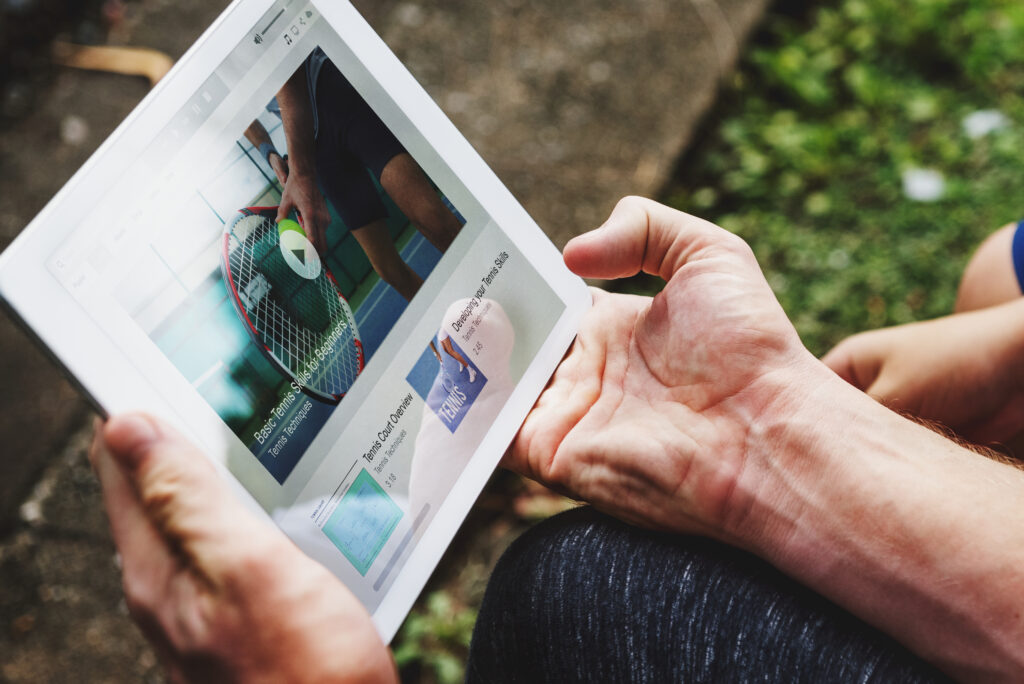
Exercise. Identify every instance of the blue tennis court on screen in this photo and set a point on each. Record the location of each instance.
(363, 522)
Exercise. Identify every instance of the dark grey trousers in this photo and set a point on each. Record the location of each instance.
(583, 597)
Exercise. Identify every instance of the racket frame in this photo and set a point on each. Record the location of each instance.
(254, 334)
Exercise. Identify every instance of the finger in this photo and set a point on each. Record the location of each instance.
(141, 547)
(147, 563)
(182, 496)
(642, 235)
(570, 394)
(286, 207)
(309, 220)
(281, 169)
(840, 360)
(854, 362)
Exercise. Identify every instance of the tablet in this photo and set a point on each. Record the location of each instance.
(289, 252)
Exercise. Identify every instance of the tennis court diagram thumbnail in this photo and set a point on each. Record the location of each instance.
(448, 387)
(363, 522)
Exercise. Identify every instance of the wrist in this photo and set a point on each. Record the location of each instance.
(805, 432)
(300, 172)
(883, 516)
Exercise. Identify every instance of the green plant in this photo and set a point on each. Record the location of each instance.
(434, 640)
(805, 154)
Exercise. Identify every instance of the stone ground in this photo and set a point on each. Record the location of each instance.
(574, 104)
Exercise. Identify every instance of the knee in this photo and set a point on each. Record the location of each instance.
(550, 549)
(565, 592)
(392, 269)
(990, 277)
(565, 577)
(427, 210)
(527, 598)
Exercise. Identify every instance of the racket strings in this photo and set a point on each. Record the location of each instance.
(304, 324)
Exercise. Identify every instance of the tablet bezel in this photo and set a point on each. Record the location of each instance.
(116, 383)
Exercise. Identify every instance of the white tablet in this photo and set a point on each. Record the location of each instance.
(289, 252)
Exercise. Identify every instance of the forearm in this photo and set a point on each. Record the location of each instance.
(964, 371)
(902, 527)
(1005, 325)
(996, 335)
(256, 134)
(983, 346)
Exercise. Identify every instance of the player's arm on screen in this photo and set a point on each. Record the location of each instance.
(300, 191)
(965, 371)
(257, 135)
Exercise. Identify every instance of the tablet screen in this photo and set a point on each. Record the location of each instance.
(293, 256)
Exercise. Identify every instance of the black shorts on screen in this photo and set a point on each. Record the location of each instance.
(351, 138)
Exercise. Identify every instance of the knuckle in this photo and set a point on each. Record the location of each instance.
(138, 596)
(167, 494)
(737, 245)
(632, 203)
(161, 489)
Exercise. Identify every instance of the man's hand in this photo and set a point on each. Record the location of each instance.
(700, 411)
(648, 417)
(222, 596)
(964, 371)
(301, 194)
(280, 167)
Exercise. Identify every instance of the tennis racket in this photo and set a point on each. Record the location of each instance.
(291, 305)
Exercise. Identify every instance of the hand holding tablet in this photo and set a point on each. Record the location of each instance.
(221, 595)
(302, 358)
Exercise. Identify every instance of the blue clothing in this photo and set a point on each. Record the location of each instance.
(1018, 254)
(583, 597)
(351, 140)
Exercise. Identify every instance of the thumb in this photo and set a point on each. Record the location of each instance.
(180, 492)
(641, 235)
(284, 209)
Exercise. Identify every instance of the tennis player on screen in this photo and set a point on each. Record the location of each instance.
(333, 138)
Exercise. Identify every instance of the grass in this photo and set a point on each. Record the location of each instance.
(804, 157)
(805, 154)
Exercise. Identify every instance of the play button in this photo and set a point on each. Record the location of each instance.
(299, 254)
